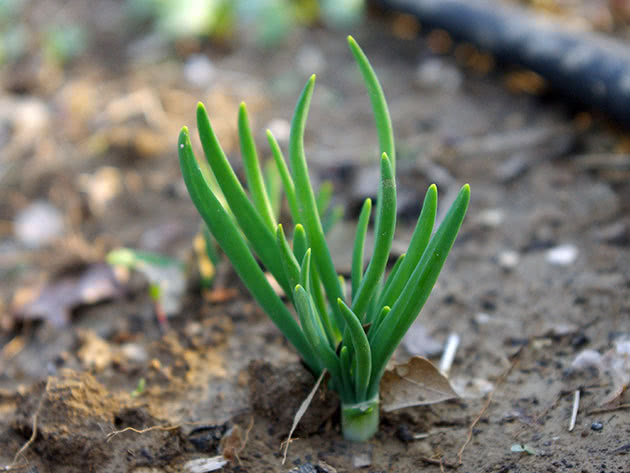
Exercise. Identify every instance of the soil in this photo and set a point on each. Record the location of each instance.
(540, 271)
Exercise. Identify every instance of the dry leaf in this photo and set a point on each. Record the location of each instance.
(617, 363)
(204, 465)
(55, 302)
(415, 383)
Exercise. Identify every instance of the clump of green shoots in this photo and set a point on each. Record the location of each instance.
(352, 338)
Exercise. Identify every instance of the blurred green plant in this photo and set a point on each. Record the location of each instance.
(352, 338)
(63, 44)
(59, 44)
(266, 21)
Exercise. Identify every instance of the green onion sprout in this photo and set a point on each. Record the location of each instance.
(352, 338)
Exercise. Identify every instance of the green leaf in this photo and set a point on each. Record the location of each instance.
(323, 198)
(379, 104)
(418, 287)
(300, 242)
(359, 243)
(258, 234)
(307, 205)
(361, 349)
(273, 184)
(384, 231)
(253, 173)
(287, 180)
(290, 263)
(419, 241)
(345, 363)
(234, 246)
(311, 328)
(331, 218)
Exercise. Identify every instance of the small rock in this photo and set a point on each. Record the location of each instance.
(438, 74)
(134, 353)
(587, 359)
(280, 129)
(38, 224)
(508, 259)
(199, 70)
(304, 468)
(491, 217)
(311, 60)
(204, 465)
(361, 460)
(597, 426)
(482, 318)
(562, 255)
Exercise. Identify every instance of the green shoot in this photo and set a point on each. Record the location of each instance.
(351, 336)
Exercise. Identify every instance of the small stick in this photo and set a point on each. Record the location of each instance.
(298, 416)
(449, 353)
(34, 434)
(576, 405)
(441, 462)
(502, 378)
(143, 431)
(608, 409)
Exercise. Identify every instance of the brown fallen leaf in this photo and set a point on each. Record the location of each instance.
(55, 302)
(415, 383)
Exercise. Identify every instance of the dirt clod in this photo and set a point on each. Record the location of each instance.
(276, 392)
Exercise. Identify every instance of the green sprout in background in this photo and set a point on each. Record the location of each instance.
(352, 338)
(267, 22)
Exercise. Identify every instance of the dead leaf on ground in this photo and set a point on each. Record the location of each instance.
(55, 301)
(415, 383)
(616, 363)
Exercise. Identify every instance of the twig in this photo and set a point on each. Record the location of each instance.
(608, 409)
(576, 406)
(449, 353)
(441, 462)
(298, 416)
(142, 431)
(501, 379)
(13, 467)
(460, 453)
(245, 439)
(34, 434)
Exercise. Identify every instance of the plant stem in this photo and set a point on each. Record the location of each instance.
(360, 421)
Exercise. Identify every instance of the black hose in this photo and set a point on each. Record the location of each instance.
(587, 67)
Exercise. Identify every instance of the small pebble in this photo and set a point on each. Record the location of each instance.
(587, 359)
(38, 224)
(508, 259)
(482, 318)
(361, 460)
(491, 217)
(597, 426)
(199, 70)
(562, 255)
(438, 74)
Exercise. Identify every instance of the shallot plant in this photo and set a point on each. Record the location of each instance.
(351, 336)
